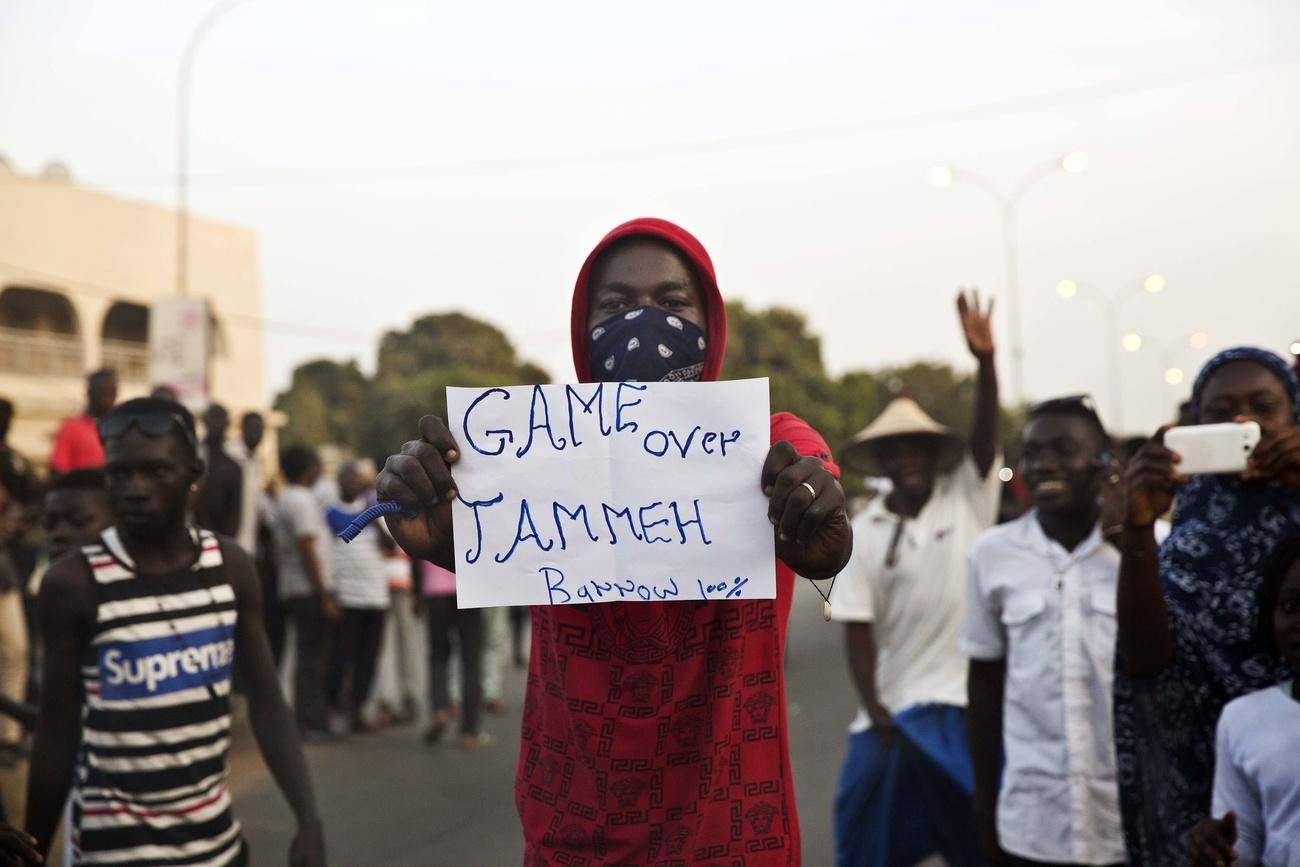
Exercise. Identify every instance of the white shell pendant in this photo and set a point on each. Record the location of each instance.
(664, 351)
(826, 612)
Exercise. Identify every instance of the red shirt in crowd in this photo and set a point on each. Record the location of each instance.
(77, 446)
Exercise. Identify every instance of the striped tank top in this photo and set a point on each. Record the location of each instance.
(150, 787)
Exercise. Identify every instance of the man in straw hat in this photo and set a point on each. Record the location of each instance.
(905, 789)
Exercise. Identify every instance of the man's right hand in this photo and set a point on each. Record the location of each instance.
(1151, 481)
(882, 723)
(1211, 842)
(329, 608)
(419, 479)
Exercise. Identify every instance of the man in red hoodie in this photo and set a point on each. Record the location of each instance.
(654, 733)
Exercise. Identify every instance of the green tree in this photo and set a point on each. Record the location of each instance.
(776, 343)
(321, 402)
(332, 402)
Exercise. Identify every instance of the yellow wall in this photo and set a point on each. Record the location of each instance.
(97, 249)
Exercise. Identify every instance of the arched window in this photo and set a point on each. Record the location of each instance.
(39, 333)
(125, 336)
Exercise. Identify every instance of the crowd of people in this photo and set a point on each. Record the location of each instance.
(1093, 664)
(354, 610)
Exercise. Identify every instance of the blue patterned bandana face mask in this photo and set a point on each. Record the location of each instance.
(646, 344)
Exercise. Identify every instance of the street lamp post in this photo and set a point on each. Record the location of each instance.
(183, 139)
(943, 176)
(1172, 374)
(1110, 307)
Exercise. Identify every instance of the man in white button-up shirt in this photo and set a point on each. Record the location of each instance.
(1040, 632)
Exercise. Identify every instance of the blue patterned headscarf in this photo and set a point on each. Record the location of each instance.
(1164, 725)
(1269, 360)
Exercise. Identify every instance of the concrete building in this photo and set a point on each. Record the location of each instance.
(79, 270)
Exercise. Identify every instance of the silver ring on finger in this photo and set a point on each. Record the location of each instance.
(811, 489)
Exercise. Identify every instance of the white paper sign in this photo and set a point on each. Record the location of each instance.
(611, 492)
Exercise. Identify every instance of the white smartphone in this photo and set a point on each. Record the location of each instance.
(1213, 448)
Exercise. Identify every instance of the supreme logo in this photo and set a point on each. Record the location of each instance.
(170, 663)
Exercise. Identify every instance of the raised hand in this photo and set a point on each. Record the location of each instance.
(806, 508)
(1151, 481)
(976, 324)
(419, 479)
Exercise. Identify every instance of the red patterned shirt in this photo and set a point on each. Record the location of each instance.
(654, 733)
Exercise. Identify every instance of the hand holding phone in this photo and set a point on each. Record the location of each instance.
(1152, 478)
(1213, 448)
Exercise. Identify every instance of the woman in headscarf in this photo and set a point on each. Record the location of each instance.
(1186, 614)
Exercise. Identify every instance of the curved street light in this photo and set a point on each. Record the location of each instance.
(183, 138)
(945, 176)
(1172, 373)
(1110, 306)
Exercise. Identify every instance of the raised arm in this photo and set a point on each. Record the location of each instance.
(1146, 643)
(268, 714)
(66, 609)
(977, 326)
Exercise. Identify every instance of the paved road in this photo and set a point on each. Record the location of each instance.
(388, 799)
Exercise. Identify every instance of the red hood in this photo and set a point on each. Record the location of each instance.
(698, 258)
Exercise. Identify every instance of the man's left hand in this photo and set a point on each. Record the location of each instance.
(806, 508)
(308, 847)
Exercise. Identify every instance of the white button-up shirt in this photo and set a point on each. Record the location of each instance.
(915, 602)
(1050, 613)
(251, 491)
(1257, 775)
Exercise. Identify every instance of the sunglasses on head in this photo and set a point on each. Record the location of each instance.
(1082, 402)
(152, 423)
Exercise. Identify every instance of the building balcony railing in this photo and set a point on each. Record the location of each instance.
(129, 359)
(37, 353)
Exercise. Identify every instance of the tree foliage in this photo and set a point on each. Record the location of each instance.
(776, 343)
(333, 402)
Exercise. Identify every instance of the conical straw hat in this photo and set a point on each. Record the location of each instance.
(902, 417)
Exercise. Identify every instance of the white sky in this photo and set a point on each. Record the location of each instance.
(397, 158)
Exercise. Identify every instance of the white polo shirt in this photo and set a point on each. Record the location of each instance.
(1050, 613)
(915, 605)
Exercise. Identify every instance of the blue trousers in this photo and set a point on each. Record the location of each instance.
(900, 804)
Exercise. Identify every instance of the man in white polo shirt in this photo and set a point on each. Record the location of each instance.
(905, 789)
(1040, 631)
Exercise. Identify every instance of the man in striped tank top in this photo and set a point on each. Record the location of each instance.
(142, 632)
